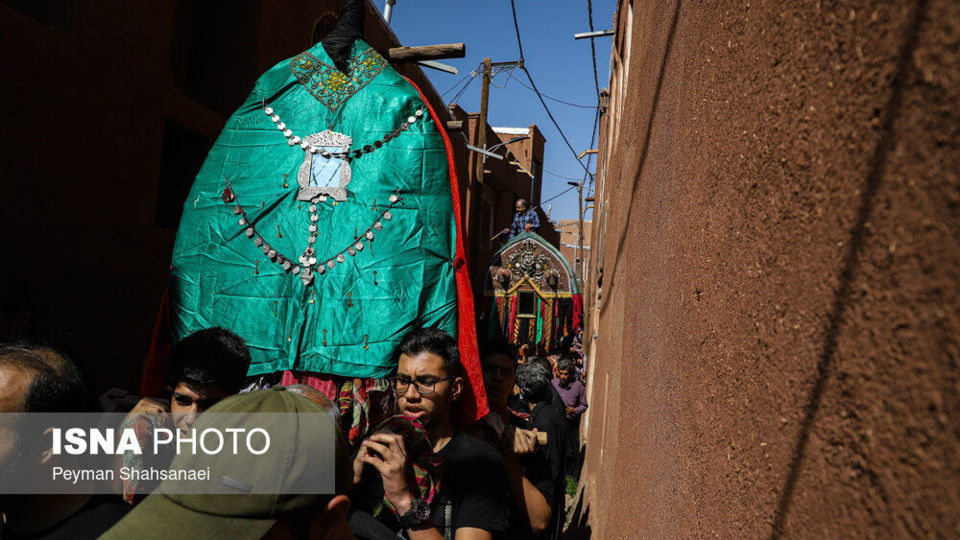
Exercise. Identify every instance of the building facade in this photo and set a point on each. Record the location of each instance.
(489, 200)
(569, 230)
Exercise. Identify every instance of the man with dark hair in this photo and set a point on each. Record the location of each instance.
(205, 367)
(532, 490)
(471, 503)
(575, 404)
(533, 379)
(553, 398)
(36, 379)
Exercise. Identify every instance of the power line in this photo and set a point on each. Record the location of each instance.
(458, 83)
(596, 85)
(551, 173)
(462, 90)
(557, 195)
(563, 136)
(593, 51)
(553, 98)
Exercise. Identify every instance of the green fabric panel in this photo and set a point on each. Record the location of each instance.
(539, 334)
(213, 279)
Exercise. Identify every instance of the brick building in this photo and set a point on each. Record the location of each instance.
(569, 233)
(488, 205)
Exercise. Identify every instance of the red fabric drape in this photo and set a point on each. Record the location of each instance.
(577, 312)
(471, 407)
(155, 364)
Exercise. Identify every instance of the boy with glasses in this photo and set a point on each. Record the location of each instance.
(472, 500)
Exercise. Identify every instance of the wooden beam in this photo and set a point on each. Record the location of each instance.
(454, 125)
(427, 52)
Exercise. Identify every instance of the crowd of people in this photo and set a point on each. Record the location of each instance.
(417, 474)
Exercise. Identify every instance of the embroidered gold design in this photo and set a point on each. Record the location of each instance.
(328, 84)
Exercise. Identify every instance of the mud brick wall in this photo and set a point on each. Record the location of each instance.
(778, 334)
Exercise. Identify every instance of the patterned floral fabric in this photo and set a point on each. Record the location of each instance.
(362, 402)
(427, 466)
(143, 426)
(331, 86)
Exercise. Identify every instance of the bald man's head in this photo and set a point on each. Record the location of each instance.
(38, 379)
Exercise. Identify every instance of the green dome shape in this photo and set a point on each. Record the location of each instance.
(349, 319)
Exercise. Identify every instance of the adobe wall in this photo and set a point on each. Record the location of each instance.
(779, 330)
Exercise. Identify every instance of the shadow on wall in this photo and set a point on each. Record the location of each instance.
(850, 265)
(578, 529)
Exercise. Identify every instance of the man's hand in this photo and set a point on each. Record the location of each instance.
(519, 441)
(151, 406)
(385, 451)
(117, 400)
(528, 227)
(571, 410)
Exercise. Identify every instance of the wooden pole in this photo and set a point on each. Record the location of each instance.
(482, 126)
(427, 52)
(580, 230)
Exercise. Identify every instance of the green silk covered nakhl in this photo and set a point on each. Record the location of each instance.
(348, 320)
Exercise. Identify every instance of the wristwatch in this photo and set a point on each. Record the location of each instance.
(417, 517)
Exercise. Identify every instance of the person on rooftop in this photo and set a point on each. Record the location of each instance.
(525, 220)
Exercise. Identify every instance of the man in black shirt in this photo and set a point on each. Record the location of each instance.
(534, 382)
(472, 500)
(529, 477)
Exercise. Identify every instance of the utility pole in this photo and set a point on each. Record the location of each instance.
(482, 127)
(579, 256)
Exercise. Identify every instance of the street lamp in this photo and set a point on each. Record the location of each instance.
(513, 140)
(488, 151)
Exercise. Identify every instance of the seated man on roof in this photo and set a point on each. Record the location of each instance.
(525, 220)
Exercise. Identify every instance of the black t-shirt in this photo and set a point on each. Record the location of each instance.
(92, 519)
(473, 489)
(547, 419)
(538, 470)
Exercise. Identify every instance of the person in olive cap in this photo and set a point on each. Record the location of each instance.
(278, 494)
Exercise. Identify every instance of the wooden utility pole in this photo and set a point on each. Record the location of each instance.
(580, 230)
(482, 127)
(578, 258)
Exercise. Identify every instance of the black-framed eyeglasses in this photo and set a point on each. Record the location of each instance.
(424, 386)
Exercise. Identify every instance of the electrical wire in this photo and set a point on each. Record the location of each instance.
(557, 195)
(593, 51)
(596, 85)
(551, 173)
(556, 99)
(458, 83)
(462, 90)
(563, 136)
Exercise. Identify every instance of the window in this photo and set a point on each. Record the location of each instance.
(526, 304)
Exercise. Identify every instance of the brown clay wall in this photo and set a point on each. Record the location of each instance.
(779, 331)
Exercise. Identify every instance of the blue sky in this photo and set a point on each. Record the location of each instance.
(561, 67)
